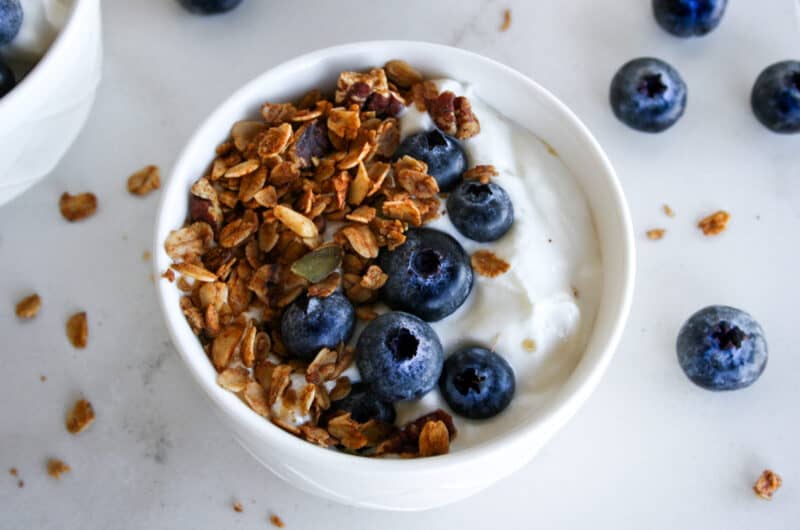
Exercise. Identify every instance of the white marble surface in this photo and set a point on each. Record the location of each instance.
(649, 450)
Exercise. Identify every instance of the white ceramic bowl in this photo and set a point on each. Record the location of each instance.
(420, 483)
(41, 117)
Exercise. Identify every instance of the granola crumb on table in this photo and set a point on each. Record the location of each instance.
(28, 307)
(767, 484)
(80, 417)
(276, 521)
(301, 201)
(655, 234)
(715, 223)
(145, 180)
(77, 207)
(78, 330)
(56, 468)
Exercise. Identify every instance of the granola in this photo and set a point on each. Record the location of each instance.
(28, 307)
(56, 468)
(79, 417)
(77, 207)
(715, 223)
(78, 330)
(767, 484)
(144, 181)
(655, 234)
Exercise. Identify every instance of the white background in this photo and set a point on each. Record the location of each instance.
(648, 451)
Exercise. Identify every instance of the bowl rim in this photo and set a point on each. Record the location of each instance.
(57, 48)
(575, 390)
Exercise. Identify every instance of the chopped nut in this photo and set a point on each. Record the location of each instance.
(80, 417)
(56, 468)
(767, 484)
(715, 223)
(442, 111)
(506, 20)
(78, 330)
(77, 207)
(467, 124)
(144, 181)
(655, 234)
(29, 306)
(486, 263)
(434, 439)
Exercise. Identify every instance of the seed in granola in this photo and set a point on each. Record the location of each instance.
(56, 468)
(145, 180)
(655, 234)
(78, 330)
(715, 223)
(319, 264)
(80, 416)
(506, 20)
(486, 263)
(77, 207)
(767, 484)
(434, 439)
(29, 306)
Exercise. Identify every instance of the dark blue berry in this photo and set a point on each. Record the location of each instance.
(364, 405)
(310, 324)
(776, 97)
(689, 18)
(209, 7)
(10, 20)
(477, 383)
(481, 212)
(7, 79)
(429, 275)
(648, 95)
(399, 356)
(722, 348)
(445, 158)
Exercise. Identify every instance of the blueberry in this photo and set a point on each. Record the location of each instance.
(481, 212)
(364, 405)
(429, 275)
(722, 348)
(10, 20)
(7, 79)
(689, 18)
(310, 324)
(209, 7)
(445, 158)
(648, 95)
(776, 97)
(477, 383)
(399, 356)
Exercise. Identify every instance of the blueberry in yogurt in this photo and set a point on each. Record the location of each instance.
(722, 348)
(444, 155)
(481, 212)
(776, 97)
(429, 275)
(312, 323)
(7, 79)
(648, 95)
(477, 383)
(363, 405)
(399, 356)
(10, 20)
(210, 7)
(689, 18)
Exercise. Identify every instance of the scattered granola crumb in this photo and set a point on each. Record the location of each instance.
(144, 181)
(80, 417)
(42, 378)
(655, 234)
(506, 20)
(276, 521)
(78, 329)
(13, 471)
(486, 263)
(529, 345)
(715, 223)
(668, 211)
(56, 468)
(146, 256)
(169, 275)
(21, 484)
(238, 507)
(767, 484)
(77, 207)
(29, 306)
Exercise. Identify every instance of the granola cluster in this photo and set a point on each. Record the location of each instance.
(301, 202)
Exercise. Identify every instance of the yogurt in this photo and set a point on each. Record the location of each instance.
(538, 315)
(41, 22)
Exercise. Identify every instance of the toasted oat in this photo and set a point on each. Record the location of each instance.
(234, 379)
(506, 20)
(486, 263)
(29, 306)
(767, 484)
(296, 222)
(197, 272)
(276, 521)
(238, 507)
(715, 223)
(79, 417)
(348, 431)
(482, 173)
(224, 345)
(322, 367)
(326, 287)
(78, 330)
(362, 214)
(56, 468)
(403, 210)
(668, 211)
(145, 180)
(256, 398)
(374, 278)
(655, 234)
(362, 240)
(194, 239)
(529, 345)
(77, 207)
(434, 439)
